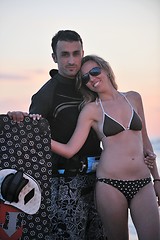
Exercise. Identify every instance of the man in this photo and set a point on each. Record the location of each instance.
(74, 216)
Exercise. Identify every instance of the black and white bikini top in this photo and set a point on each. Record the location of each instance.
(110, 126)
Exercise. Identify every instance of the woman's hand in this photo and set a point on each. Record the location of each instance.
(157, 190)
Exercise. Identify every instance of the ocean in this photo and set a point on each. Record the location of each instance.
(156, 146)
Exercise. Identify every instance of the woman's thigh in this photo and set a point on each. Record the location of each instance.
(113, 210)
(145, 214)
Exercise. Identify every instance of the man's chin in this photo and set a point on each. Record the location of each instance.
(72, 73)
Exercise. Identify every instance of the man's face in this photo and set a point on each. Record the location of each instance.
(68, 58)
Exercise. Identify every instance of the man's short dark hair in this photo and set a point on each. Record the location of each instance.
(65, 35)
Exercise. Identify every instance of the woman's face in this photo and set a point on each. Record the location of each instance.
(92, 75)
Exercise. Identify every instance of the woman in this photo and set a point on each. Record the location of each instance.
(123, 179)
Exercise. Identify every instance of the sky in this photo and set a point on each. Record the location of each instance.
(124, 32)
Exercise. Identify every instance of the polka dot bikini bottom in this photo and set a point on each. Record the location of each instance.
(129, 188)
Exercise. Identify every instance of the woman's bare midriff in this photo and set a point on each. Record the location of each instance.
(123, 161)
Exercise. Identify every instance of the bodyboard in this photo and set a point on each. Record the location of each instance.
(25, 147)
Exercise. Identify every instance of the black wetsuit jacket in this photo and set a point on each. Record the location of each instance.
(58, 102)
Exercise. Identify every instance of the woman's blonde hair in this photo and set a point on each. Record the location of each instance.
(88, 95)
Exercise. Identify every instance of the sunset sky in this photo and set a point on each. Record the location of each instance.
(124, 32)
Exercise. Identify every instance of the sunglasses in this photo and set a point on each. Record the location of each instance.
(93, 72)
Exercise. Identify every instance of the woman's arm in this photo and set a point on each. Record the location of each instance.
(79, 136)
(147, 146)
(150, 157)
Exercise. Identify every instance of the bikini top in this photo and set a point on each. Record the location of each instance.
(112, 127)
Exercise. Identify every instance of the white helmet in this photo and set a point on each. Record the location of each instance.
(20, 190)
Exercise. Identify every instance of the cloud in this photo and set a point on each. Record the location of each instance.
(7, 76)
(22, 76)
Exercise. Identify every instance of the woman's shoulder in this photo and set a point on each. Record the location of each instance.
(132, 95)
(91, 111)
(92, 106)
(134, 98)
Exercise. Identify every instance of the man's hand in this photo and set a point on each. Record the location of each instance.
(35, 116)
(17, 116)
(149, 159)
